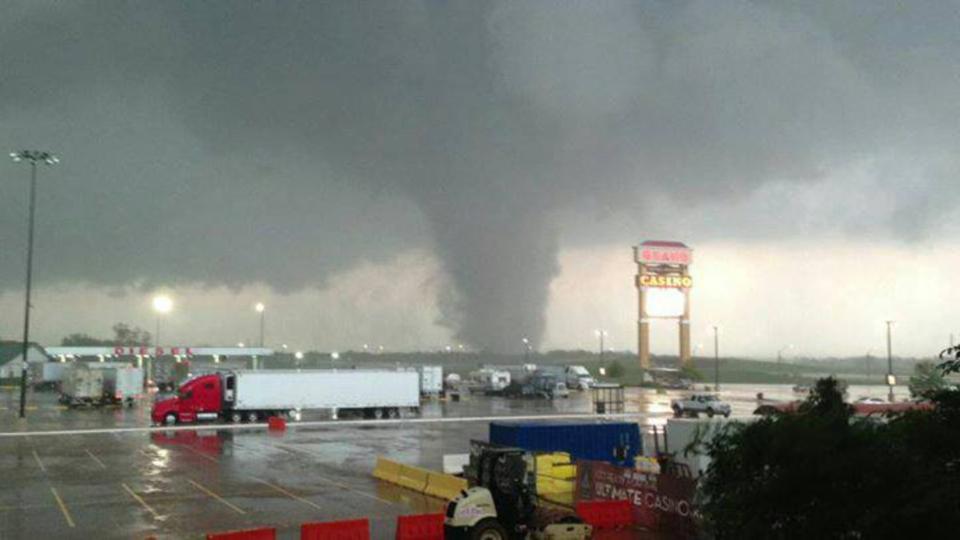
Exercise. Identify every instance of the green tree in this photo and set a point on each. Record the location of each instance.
(615, 369)
(84, 340)
(124, 334)
(691, 373)
(822, 473)
(927, 379)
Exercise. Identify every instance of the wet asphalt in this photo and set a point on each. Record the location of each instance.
(184, 484)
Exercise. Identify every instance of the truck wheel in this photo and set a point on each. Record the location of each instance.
(488, 529)
(236, 417)
(170, 419)
(709, 413)
(393, 413)
(377, 414)
(252, 417)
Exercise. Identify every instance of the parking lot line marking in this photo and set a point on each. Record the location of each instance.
(140, 500)
(331, 481)
(201, 454)
(291, 495)
(217, 497)
(95, 458)
(63, 507)
(40, 463)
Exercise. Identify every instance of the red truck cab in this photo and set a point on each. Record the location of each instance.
(198, 398)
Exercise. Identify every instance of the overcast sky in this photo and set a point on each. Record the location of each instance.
(417, 174)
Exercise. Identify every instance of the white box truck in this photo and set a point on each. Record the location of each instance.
(81, 385)
(431, 380)
(239, 395)
(46, 375)
(122, 384)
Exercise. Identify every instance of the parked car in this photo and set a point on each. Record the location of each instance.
(700, 403)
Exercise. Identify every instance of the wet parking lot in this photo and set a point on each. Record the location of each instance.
(182, 484)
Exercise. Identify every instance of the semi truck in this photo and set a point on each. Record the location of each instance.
(252, 395)
(99, 383)
(46, 375)
(489, 381)
(431, 380)
(122, 384)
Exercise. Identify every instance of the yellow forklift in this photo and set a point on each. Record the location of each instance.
(502, 504)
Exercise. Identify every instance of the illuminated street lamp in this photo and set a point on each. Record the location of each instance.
(261, 309)
(526, 350)
(162, 304)
(34, 157)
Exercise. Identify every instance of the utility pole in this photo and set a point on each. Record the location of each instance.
(601, 334)
(34, 157)
(261, 309)
(890, 379)
(716, 358)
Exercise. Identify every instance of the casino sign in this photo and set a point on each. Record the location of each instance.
(665, 281)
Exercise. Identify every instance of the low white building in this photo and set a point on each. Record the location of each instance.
(11, 357)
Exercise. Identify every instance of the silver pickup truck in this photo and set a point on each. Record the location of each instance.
(700, 403)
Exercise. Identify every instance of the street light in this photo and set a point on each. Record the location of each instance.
(601, 334)
(162, 304)
(891, 380)
(34, 157)
(526, 350)
(261, 309)
(716, 358)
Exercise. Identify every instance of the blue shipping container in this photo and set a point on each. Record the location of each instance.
(613, 442)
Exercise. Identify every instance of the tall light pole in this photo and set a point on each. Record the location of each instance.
(34, 157)
(601, 334)
(526, 350)
(780, 353)
(716, 358)
(162, 304)
(261, 309)
(890, 378)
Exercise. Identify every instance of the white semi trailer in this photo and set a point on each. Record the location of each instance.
(248, 395)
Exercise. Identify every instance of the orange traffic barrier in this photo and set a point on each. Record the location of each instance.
(606, 514)
(352, 529)
(275, 423)
(420, 527)
(267, 533)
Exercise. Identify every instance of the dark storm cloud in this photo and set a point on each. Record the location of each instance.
(278, 141)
